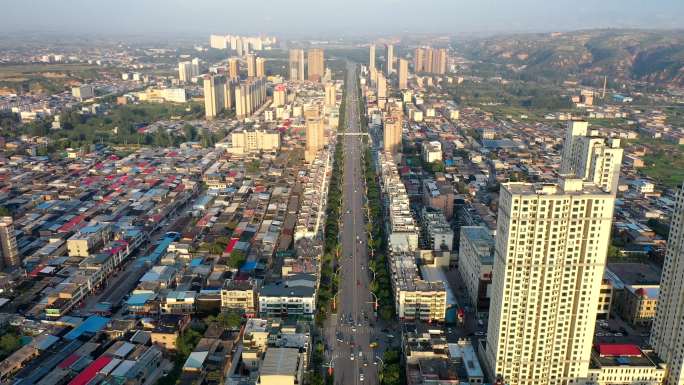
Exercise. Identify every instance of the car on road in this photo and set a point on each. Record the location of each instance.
(480, 333)
(351, 357)
(354, 329)
(361, 377)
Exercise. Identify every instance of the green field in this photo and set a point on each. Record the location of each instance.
(45, 78)
(27, 70)
(664, 161)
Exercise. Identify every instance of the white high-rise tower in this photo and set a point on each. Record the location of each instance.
(667, 334)
(550, 254)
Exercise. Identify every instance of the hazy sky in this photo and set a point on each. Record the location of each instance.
(352, 17)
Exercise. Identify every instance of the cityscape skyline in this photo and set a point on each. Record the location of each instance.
(346, 193)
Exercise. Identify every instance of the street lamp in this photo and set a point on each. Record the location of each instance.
(375, 302)
(330, 366)
(334, 301)
(382, 363)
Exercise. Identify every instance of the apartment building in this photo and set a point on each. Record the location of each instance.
(240, 295)
(591, 157)
(436, 231)
(254, 140)
(667, 334)
(475, 263)
(550, 250)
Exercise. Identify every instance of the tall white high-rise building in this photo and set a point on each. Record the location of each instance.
(549, 259)
(371, 57)
(251, 65)
(591, 157)
(403, 74)
(296, 65)
(667, 333)
(390, 59)
(8, 244)
(195, 67)
(382, 89)
(218, 42)
(330, 94)
(260, 67)
(185, 71)
(213, 95)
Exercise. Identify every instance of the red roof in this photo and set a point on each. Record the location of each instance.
(68, 361)
(75, 221)
(618, 350)
(231, 245)
(91, 371)
(34, 272)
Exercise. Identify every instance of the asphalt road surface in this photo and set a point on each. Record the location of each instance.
(354, 328)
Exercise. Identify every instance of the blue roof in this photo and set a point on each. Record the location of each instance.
(92, 324)
(158, 252)
(139, 299)
(248, 266)
(93, 228)
(196, 262)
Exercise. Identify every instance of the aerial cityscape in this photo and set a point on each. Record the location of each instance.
(331, 193)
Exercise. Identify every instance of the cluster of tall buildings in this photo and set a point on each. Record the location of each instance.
(315, 64)
(224, 94)
(241, 44)
(589, 156)
(430, 60)
(549, 261)
(188, 69)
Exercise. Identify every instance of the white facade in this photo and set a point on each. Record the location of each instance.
(185, 71)
(213, 95)
(551, 244)
(475, 261)
(591, 157)
(667, 334)
(432, 151)
(254, 140)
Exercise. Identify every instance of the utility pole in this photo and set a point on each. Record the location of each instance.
(605, 83)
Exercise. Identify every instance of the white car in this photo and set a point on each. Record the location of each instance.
(361, 377)
(351, 357)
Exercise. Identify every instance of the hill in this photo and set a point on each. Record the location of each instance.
(653, 56)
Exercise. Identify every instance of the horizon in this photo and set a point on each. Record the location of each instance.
(354, 18)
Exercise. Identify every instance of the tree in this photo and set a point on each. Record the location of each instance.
(237, 258)
(437, 166)
(613, 252)
(9, 343)
(187, 341)
(230, 319)
(253, 166)
(190, 132)
(4, 212)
